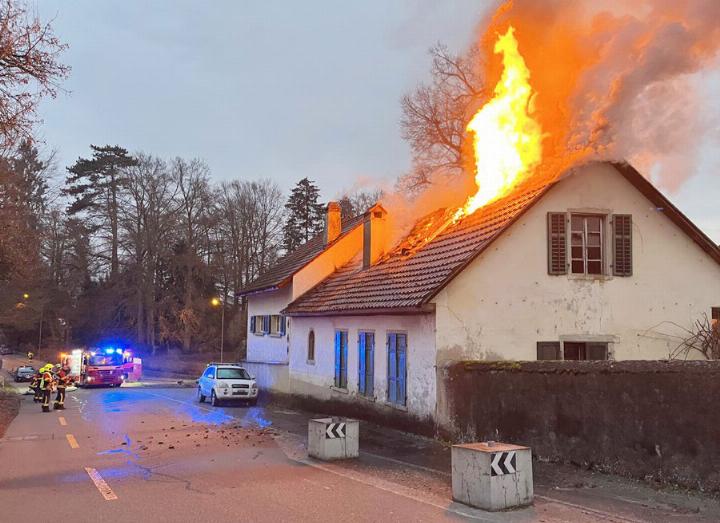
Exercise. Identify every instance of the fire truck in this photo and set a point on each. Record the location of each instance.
(103, 366)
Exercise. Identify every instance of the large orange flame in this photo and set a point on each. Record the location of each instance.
(507, 140)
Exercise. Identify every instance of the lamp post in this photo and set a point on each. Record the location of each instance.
(216, 302)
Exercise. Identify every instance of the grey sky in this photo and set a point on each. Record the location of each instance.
(268, 88)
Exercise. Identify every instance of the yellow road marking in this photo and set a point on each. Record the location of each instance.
(62, 421)
(73, 442)
(100, 484)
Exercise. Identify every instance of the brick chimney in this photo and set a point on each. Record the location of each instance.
(374, 235)
(333, 222)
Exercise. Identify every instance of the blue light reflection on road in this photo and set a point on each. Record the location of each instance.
(255, 417)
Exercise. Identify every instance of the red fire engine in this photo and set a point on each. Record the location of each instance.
(108, 366)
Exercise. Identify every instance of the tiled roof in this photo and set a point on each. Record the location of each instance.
(288, 265)
(413, 272)
(416, 270)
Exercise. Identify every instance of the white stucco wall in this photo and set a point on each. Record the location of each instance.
(267, 347)
(504, 301)
(316, 379)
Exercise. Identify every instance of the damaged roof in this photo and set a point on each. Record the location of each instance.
(282, 272)
(408, 278)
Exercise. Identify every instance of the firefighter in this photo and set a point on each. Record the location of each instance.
(30, 355)
(62, 379)
(35, 386)
(46, 383)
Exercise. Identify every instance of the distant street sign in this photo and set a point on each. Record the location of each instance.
(335, 430)
(503, 463)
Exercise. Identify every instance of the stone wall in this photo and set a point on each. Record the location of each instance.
(653, 420)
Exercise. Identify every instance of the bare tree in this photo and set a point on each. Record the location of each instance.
(353, 203)
(702, 339)
(435, 114)
(194, 202)
(29, 70)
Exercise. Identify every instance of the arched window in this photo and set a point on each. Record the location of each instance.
(311, 346)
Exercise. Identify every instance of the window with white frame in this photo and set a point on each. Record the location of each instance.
(586, 243)
(277, 325)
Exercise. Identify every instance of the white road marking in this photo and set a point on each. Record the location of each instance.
(100, 484)
(62, 421)
(22, 438)
(72, 441)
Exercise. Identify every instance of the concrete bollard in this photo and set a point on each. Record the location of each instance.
(492, 476)
(333, 438)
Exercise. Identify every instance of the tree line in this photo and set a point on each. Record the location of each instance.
(130, 246)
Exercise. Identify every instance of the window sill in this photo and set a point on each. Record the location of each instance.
(276, 335)
(396, 406)
(259, 334)
(310, 362)
(338, 389)
(370, 399)
(590, 277)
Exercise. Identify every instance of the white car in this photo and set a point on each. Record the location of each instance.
(226, 382)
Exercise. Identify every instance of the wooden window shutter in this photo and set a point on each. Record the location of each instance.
(252, 323)
(557, 243)
(548, 350)
(622, 245)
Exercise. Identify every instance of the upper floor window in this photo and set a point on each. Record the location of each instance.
(715, 317)
(586, 244)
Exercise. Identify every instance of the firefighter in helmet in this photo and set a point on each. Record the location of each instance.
(62, 380)
(35, 386)
(46, 383)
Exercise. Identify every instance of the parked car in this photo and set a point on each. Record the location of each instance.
(227, 382)
(24, 373)
(4, 350)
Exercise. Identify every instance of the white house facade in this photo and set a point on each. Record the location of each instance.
(594, 265)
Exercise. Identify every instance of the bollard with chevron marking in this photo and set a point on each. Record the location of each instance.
(492, 475)
(333, 438)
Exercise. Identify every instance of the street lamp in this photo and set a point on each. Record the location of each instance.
(216, 302)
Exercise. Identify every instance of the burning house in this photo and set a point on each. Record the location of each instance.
(584, 262)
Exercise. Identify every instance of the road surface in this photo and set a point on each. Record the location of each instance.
(155, 454)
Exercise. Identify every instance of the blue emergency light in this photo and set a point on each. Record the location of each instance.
(119, 351)
(109, 351)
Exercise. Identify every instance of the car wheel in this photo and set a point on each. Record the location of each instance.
(200, 396)
(214, 401)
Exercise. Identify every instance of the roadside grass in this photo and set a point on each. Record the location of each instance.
(9, 407)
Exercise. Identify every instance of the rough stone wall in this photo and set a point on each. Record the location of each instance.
(653, 420)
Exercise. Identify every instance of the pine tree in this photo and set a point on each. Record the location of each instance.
(96, 184)
(305, 215)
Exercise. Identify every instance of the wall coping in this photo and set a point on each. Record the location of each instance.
(588, 367)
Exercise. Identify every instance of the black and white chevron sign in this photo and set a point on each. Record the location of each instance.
(334, 430)
(503, 463)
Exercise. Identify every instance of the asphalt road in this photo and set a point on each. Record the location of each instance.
(156, 454)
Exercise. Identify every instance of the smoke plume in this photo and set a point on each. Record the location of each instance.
(617, 80)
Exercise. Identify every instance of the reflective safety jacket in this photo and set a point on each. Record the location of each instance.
(62, 379)
(46, 380)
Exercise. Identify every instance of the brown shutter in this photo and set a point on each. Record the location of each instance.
(622, 245)
(548, 350)
(557, 241)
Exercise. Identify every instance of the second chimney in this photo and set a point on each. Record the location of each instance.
(333, 222)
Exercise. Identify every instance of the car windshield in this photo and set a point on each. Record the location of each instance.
(105, 359)
(26, 369)
(232, 373)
